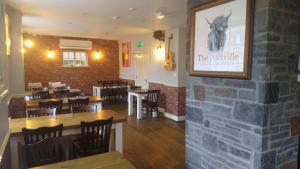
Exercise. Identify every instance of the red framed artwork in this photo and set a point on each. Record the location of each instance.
(126, 54)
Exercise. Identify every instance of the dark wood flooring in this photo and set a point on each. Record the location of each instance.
(152, 143)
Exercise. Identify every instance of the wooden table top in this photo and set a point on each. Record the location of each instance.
(112, 160)
(35, 103)
(71, 120)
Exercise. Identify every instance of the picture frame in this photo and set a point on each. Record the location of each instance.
(126, 54)
(221, 39)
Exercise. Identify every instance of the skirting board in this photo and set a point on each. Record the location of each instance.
(171, 116)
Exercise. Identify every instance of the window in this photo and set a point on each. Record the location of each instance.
(75, 59)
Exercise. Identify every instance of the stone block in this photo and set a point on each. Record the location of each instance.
(250, 113)
(199, 92)
(269, 92)
(210, 142)
(226, 92)
(265, 160)
(194, 114)
(247, 95)
(239, 153)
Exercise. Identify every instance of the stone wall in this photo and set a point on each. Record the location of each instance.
(39, 68)
(244, 124)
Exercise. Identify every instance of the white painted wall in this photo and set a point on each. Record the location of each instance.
(16, 59)
(152, 65)
(4, 81)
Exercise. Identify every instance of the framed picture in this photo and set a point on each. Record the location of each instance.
(221, 39)
(126, 54)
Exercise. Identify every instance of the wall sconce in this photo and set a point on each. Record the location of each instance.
(50, 53)
(139, 55)
(98, 55)
(28, 43)
(160, 52)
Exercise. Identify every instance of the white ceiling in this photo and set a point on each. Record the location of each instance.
(93, 18)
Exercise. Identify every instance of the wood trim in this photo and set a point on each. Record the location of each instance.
(248, 42)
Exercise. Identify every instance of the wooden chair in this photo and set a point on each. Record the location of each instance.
(32, 136)
(62, 93)
(46, 151)
(40, 94)
(78, 105)
(54, 106)
(150, 103)
(38, 112)
(94, 139)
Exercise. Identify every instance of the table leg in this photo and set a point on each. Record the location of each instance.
(139, 107)
(119, 137)
(130, 104)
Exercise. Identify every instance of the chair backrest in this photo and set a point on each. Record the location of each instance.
(32, 136)
(96, 135)
(133, 87)
(46, 151)
(53, 104)
(153, 96)
(40, 94)
(62, 93)
(78, 104)
(38, 112)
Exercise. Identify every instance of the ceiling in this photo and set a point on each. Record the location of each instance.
(93, 18)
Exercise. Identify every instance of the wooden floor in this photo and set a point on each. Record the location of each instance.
(152, 143)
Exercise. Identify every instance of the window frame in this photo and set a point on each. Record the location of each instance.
(74, 51)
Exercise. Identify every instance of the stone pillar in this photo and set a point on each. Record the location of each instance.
(244, 124)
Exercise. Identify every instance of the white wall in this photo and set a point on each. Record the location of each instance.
(16, 59)
(152, 65)
(4, 82)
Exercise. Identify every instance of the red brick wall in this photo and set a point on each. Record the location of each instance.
(172, 99)
(40, 68)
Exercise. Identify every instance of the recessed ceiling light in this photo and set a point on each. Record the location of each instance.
(115, 17)
(131, 9)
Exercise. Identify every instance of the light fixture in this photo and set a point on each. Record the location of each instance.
(98, 55)
(160, 52)
(131, 9)
(161, 13)
(50, 53)
(139, 55)
(28, 43)
(115, 17)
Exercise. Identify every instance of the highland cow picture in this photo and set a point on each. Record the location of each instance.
(221, 39)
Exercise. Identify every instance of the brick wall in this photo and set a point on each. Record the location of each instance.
(244, 124)
(39, 68)
(172, 99)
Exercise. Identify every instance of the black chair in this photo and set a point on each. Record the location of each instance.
(40, 94)
(78, 104)
(150, 103)
(61, 93)
(32, 136)
(46, 151)
(38, 112)
(57, 104)
(94, 139)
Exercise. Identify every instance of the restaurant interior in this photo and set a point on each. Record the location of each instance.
(160, 84)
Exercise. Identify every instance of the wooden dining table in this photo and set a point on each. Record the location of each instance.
(139, 94)
(71, 125)
(111, 160)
